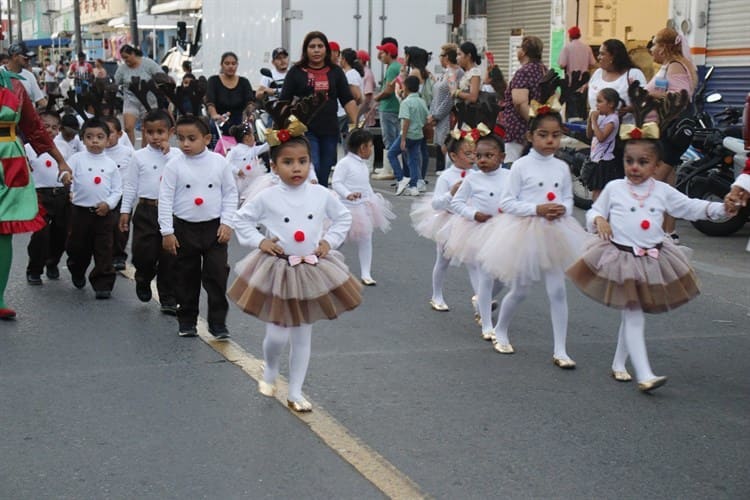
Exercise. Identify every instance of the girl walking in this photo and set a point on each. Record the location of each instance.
(247, 167)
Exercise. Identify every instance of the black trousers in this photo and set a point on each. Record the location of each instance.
(48, 244)
(119, 240)
(91, 236)
(149, 258)
(200, 259)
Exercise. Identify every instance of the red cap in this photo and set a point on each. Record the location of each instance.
(363, 56)
(334, 46)
(388, 48)
(574, 32)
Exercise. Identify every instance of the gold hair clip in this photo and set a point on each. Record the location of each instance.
(295, 129)
(470, 134)
(649, 130)
(552, 105)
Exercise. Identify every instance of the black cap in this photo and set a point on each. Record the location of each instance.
(20, 49)
(277, 52)
(70, 121)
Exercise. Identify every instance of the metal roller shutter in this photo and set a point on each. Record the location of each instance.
(504, 15)
(728, 48)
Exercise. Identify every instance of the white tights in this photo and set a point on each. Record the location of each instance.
(299, 355)
(486, 288)
(554, 282)
(364, 246)
(631, 341)
(438, 275)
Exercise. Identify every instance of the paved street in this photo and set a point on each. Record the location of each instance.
(102, 399)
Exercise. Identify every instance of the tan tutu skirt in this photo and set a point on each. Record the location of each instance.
(373, 213)
(524, 248)
(427, 221)
(275, 292)
(462, 239)
(621, 280)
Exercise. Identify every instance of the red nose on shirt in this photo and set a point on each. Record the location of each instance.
(299, 236)
(97, 180)
(463, 174)
(48, 163)
(248, 167)
(199, 201)
(645, 224)
(551, 196)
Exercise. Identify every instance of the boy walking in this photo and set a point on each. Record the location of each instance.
(413, 114)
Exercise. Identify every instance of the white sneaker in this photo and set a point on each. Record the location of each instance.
(383, 174)
(421, 186)
(402, 185)
(411, 191)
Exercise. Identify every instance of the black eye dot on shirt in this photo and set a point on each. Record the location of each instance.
(90, 169)
(310, 216)
(118, 166)
(492, 194)
(652, 210)
(155, 167)
(187, 186)
(286, 219)
(556, 184)
(632, 209)
(210, 185)
(541, 184)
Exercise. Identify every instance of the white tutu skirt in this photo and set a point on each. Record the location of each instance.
(370, 214)
(524, 248)
(462, 239)
(619, 279)
(427, 221)
(275, 292)
(245, 184)
(256, 185)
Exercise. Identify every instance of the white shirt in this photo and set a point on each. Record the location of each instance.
(75, 145)
(536, 179)
(354, 78)
(617, 204)
(44, 167)
(50, 73)
(352, 175)
(31, 85)
(197, 188)
(286, 211)
(144, 175)
(245, 158)
(96, 178)
(276, 76)
(441, 198)
(480, 192)
(597, 83)
(124, 140)
(122, 156)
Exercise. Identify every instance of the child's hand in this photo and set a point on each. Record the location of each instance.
(323, 248)
(455, 188)
(594, 116)
(354, 196)
(403, 143)
(270, 247)
(603, 228)
(102, 209)
(550, 211)
(124, 223)
(737, 197)
(170, 244)
(224, 233)
(241, 174)
(313, 181)
(482, 217)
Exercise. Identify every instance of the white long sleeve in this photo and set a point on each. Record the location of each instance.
(96, 179)
(351, 175)
(441, 198)
(743, 181)
(143, 177)
(480, 192)
(243, 156)
(534, 180)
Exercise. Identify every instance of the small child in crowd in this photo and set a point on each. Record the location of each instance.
(413, 114)
(197, 200)
(70, 133)
(602, 128)
(247, 167)
(351, 180)
(294, 278)
(141, 192)
(122, 156)
(96, 191)
(47, 245)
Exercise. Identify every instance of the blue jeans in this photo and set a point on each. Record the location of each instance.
(323, 149)
(412, 156)
(389, 127)
(425, 157)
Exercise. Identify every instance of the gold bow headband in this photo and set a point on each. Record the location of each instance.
(294, 129)
(649, 130)
(551, 106)
(470, 134)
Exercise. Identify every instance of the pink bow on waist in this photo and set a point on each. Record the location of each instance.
(307, 259)
(651, 252)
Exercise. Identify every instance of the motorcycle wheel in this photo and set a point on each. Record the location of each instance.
(724, 228)
(581, 195)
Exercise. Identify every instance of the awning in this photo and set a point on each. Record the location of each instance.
(176, 5)
(46, 42)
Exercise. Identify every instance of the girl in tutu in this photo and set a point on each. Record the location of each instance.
(476, 202)
(538, 236)
(247, 167)
(431, 213)
(602, 129)
(351, 180)
(633, 267)
(294, 278)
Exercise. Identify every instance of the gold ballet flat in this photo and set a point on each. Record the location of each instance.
(489, 336)
(437, 306)
(622, 376)
(503, 348)
(651, 384)
(565, 364)
(268, 390)
(369, 282)
(303, 406)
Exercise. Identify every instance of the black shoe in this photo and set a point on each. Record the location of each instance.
(53, 273)
(219, 332)
(188, 331)
(120, 265)
(169, 307)
(103, 294)
(33, 279)
(143, 291)
(79, 282)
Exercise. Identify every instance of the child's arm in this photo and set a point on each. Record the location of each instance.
(129, 192)
(404, 128)
(601, 133)
(166, 203)
(441, 198)
(459, 203)
(246, 222)
(510, 203)
(115, 192)
(258, 150)
(682, 207)
(229, 199)
(338, 181)
(600, 209)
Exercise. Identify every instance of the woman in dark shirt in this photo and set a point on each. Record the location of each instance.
(316, 72)
(228, 94)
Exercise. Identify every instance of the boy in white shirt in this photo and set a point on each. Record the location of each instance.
(47, 245)
(122, 156)
(96, 191)
(141, 190)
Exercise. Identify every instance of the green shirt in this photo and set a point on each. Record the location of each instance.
(390, 103)
(415, 110)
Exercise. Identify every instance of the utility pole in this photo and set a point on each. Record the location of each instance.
(77, 26)
(19, 20)
(133, 24)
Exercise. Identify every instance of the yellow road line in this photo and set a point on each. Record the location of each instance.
(368, 462)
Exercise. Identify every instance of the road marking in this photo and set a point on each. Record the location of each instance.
(368, 462)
